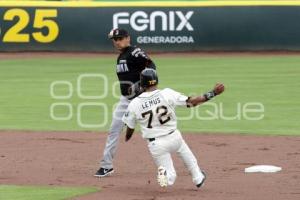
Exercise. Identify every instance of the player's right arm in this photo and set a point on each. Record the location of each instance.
(197, 100)
(129, 119)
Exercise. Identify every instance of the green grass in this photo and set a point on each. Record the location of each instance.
(11, 192)
(272, 81)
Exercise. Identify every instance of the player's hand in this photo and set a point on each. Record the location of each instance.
(127, 137)
(219, 88)
(129, 133)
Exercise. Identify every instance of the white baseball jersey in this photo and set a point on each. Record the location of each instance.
(155, 111)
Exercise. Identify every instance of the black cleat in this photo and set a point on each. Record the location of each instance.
(102, 172)
(202, 182)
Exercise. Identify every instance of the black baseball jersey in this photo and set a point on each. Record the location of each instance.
(131, 62)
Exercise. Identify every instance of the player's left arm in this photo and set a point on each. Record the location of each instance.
(150, 64)
(141, 57)
(194, 101)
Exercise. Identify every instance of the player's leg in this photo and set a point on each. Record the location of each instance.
(191, 163)
(164, 163)
(112, 139)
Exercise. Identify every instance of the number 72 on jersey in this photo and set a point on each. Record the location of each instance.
(160, 112)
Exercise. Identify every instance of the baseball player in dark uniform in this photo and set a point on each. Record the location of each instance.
(130, 63)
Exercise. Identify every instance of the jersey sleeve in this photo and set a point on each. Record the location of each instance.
(176, 98)
(141, 57)
(129, 118)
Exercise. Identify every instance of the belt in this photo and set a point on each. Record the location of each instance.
(152, 139)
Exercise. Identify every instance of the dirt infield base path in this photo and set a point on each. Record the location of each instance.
(71, 159)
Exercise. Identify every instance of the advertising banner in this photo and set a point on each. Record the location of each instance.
(158, 29)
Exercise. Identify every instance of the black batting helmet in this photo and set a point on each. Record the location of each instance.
(148, 78)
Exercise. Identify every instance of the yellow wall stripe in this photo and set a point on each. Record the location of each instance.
(147, 3)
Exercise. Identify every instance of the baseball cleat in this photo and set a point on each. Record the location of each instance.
(162, 178)
(202, 182)
(102, 172)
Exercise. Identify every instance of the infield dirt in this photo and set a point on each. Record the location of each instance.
(71, 159)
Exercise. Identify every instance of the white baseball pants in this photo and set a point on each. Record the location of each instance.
(161, 149)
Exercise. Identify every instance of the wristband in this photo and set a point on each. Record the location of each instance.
(209, 95)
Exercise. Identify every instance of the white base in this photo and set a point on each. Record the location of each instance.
(263, 168)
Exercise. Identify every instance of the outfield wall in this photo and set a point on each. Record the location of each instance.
(157, 27)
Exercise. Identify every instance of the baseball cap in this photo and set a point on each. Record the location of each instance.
(117, 33)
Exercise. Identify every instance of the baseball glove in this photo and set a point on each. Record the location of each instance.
(134, 90)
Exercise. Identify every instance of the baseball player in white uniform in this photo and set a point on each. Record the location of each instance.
(154, 110)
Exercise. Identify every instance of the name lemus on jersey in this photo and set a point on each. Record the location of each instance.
(150, 103)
